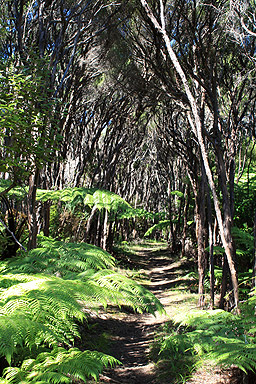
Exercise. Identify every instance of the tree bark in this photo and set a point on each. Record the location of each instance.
(201, 240)
(46, 218)
(105, 231)
(32, 222)
(89, 223)
(185, 216)
(225, 232)
(224, 283)
(211, 245)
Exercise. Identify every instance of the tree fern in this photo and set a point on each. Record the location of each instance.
(62, 258)
(163, 224)
(88, 197)
(91, 197)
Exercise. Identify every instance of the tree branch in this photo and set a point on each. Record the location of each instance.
(13, 236)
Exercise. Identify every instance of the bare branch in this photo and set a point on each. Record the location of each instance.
(13, 236)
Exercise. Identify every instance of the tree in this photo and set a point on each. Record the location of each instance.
(190, 83)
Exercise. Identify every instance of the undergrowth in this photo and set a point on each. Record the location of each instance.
(216, 337)
(44, 296)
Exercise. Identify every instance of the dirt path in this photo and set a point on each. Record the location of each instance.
(132, 334)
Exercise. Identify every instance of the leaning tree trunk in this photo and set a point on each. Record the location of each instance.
(225, 232)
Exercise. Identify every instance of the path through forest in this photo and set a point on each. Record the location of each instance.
(131, 334)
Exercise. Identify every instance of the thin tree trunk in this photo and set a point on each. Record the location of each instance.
(99, 230)
(110, 238)
(200, 240)
(32, 222)
(89, 223)
(105, 231)
(172, 233)
(46, 218)
(211, 254)
(225, 233)
(185, 217)
(224, 283)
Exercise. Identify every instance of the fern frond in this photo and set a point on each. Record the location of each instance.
(39, 310)
(163, 224)
(20, 331)
(61, 366)
(59, 257)
(91, 197)
(85, 269)
(234, 351)
(217, 335)
(43, 309)
(121, 290)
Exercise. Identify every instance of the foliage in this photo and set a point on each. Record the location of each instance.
(25, 133)
(163, 224)
(17, 193)
(45, 294)
(66, 259)
(245, 246)
(245, 200)
(92, 197)
(12, 227)
(60, 366)
(217, 336)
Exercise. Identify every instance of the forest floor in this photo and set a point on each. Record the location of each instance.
(129, 337)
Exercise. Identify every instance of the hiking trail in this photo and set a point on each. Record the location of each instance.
(132, 334)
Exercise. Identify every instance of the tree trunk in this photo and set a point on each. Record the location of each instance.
(185, 216)
(225, 232)
(46, 218)
(201, 239)
(105, 231)
(99, 230)
(211, 254)
(224, 283)
(32, 222)
(172, 233)
(89, 223)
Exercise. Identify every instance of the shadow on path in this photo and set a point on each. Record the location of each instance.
(133, 333)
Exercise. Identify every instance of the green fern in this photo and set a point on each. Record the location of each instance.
(44, 309)
(88, 197)
(40, 309)
(177, 193)
(163, 224)
(222, 337)
(65, 259)
(91, 197)
(60, 366)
